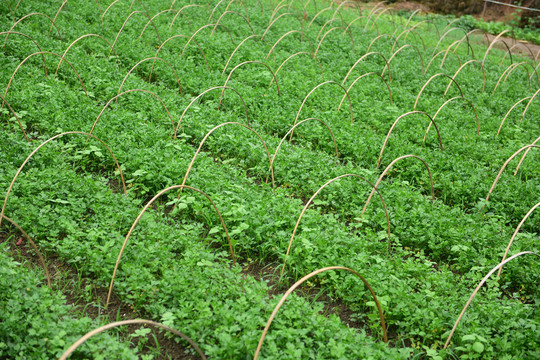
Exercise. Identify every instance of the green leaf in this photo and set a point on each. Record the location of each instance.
(478, 347)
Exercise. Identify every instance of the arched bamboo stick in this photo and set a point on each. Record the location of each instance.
(478, 288)
(514, 235)
(283, 36)
(444, 35)
(328, 32)
(448, 101)
(57, 13)
(458, 43)
(400, 49)
(158, 195)
(353, 21)
(429, 80)
(278, 7)
(231, 12)
(213, 10)
(509, 71)
(88, 335)
(388, 169)
(352, 3)
(15, 115)
(461, 68)
(293, 55)
(374, 187)
(311, 92)
(377, 18)
(34, 41)
(360, 77)
(125, 22)
(305, 278)
(41, 53)
(406, 32)
(152, 21)
(107, 9)
(529, 104)
(396, 122)
(236, 49)
(493, 43)
(370, 15)
(292, 129)
(445, 52)
(377, 38)
(245, 63)
(410, 17)
(324, 27)
(80, 38)
(529, 75)
(180, 12)
(16, 6)
(362, 58)
(10, 10)
(34, 246)
(199, 30)
(26, 16)
(127, 92)
(273, 22)
(210, 133)
(509, 111)
(509, 51)
(171, 38)
(525, 154)
(204, 92)
(318, 14)
(504, 167)
(149, 77)
(43, 144)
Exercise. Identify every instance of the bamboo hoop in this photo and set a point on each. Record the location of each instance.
(43, 144)
(305, 278)
(394, 125)
(88, 335)
(157, 196)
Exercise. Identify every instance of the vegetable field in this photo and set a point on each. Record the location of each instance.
(265, 179)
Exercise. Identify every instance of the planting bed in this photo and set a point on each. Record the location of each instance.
(189, 163)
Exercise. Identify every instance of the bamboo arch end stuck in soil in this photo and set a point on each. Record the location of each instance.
(482, 282)
(158, 195)
(254, 36)
(396, 122)
(401, 49)
(43, 144)
(16, 117)
(515, 233)
(210, 133)
(447, 102)
(292, 129)
(307, 277)
(388, 169)
(200, 95)
(245, 63)
(90, 334)
(83, 37)
(374, 187)
(527, 147)
(311, 92)
(429, 80)
(34, 246)
(127, 92)
(41, 53)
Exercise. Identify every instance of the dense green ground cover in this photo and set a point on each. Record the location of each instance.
(177, 268)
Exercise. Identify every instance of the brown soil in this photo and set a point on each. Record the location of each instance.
(65, 278)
